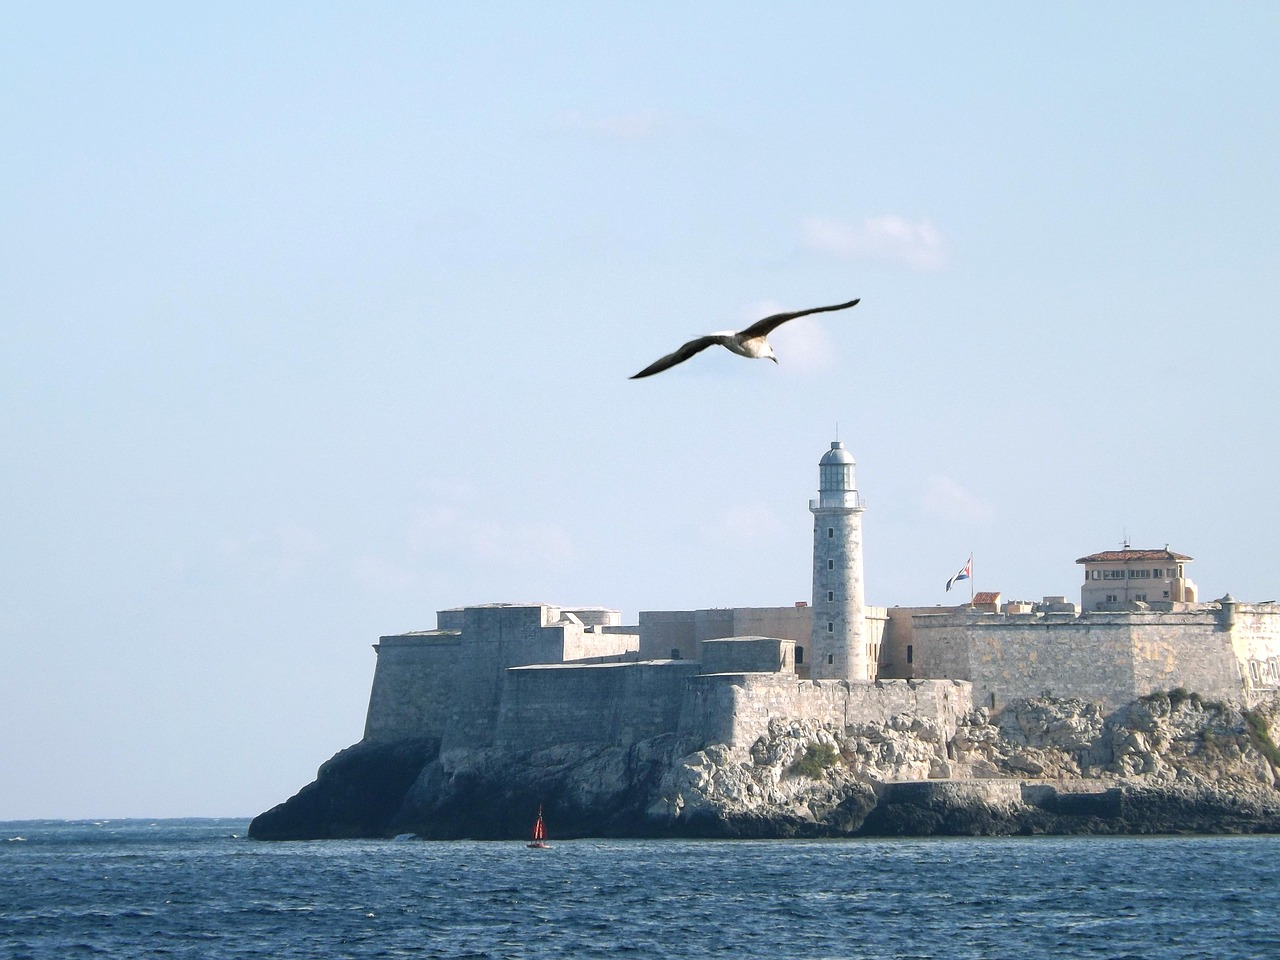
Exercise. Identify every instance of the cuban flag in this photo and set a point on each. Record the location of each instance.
(965, 572)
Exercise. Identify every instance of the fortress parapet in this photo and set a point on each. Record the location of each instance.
(1219, 650)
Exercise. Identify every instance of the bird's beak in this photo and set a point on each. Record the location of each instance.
(774, 359)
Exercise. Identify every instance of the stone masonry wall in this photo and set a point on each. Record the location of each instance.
(415, 681)
(736, 709)
(601, 704)
(1255, 638)
(1106, 657)
(746, 654)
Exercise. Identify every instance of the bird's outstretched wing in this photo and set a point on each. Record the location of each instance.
(679, 356)
(762, 328)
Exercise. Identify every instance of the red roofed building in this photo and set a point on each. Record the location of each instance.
(987, 600)
(1114, 579)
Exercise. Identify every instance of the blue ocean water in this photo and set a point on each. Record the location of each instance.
(196, 888)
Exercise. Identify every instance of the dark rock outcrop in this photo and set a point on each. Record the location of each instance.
(356, 794)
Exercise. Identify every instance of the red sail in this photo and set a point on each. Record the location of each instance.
(539, 831)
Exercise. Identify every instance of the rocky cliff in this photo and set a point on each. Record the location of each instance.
(1165, 763)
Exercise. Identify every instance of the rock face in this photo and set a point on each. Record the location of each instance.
(1166, 763)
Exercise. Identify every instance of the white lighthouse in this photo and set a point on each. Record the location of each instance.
(838, 649)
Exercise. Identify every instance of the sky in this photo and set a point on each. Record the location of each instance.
(318, 318)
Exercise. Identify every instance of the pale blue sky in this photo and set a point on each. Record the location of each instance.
(318, 318)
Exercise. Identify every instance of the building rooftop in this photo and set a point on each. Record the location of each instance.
(1128, 554)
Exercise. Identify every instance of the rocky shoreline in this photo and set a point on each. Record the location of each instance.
(1168, 763)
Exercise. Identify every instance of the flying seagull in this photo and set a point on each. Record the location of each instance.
(750, 342)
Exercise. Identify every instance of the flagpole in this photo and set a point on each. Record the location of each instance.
(971, 579)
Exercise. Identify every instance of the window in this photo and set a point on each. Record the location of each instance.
(675, 653)
(835, 476)
(831, 658)
(910, 652)
(1095, 574)
(1157, 573)
(831, 532)
(1111, 598)
(1143, 574)
(831, 627)
(831, 564)
(799, 655)
(1112, 574)
(831, 595)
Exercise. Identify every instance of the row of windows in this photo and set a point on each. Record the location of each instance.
(1143, 574)
(1112, 597)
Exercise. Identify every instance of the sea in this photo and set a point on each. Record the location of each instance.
(200, 889)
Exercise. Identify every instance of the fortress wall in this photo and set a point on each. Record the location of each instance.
(599, 705)
(580, 644)
(662, 631)
(1255, 641)
(1008, 656)
(748, 655)
(943, 701)
(415, 682)
(450, 683)
(1107, 657)
(1188, 650)
(736, 708)
(896, 661)
(787, 623)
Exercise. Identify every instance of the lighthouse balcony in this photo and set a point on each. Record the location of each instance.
(838, 501)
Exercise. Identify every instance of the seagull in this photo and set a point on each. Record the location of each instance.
(750, 342)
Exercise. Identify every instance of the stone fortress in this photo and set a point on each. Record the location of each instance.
(527, 677)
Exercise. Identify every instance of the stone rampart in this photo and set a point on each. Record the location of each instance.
(1255, 638)
(748, 655)
(599, 705)
(1108, 657)
(415, 680)
(736, 709)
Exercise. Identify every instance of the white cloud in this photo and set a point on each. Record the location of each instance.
(919, 245)
(639, 125)
(944, 498)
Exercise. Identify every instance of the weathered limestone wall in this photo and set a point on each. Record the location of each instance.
(897, 646)
(1189, 650)
(1107, 657)
(788, 623)
(664, 632)
(736, 708)
(602, 705)
(676, 634)
(449, 682)
(592, 643)
(748, 655)
(1255, 639)
(415, 681)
